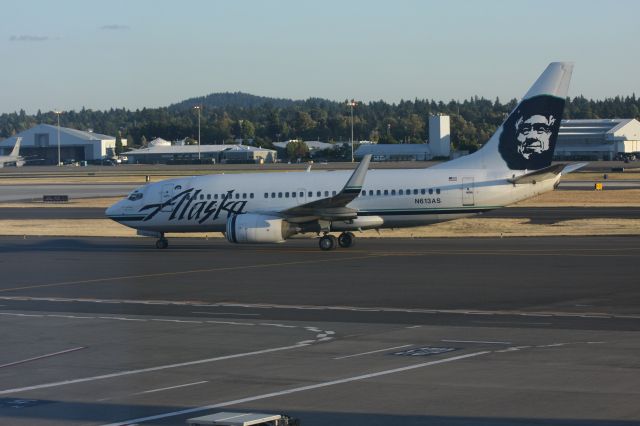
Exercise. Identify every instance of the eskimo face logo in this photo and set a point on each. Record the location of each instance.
(534, 134)
(529, 135)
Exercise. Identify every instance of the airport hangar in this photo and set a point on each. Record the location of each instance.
(41, 142)
(600, 139)
(163, 152)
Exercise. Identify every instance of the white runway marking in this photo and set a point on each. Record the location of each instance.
(226, 313)
(42, 356)
(172, 387)
(21, 315)
(296, 390)
(595, 315)
(372, 352)
(488, 342)
(150, 369)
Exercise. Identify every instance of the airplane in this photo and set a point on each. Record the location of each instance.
(14, 157)
(515, 164)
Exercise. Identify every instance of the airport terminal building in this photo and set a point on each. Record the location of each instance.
(602, 139)
(41, 142)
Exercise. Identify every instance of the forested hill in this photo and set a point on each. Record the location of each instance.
(235, 99)
(229, 116)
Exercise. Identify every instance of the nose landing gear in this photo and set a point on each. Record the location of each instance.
(162, 243)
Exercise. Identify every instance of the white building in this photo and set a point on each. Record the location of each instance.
(601, 139)
(41, 141)
(440, 135)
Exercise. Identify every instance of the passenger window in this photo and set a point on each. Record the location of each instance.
(326, 193)
(423, 191)
(286, 195)
(244, 196)
(378, 192)
(408, 192)
(333, 192)
(266, 195)
(393, 192)
(319, 194)
(438, 191)
(364, 193)
(415, 192)
(202, 196)
(208, 196)
(430, 190)
(371, 192)
(215, 196)
(251, 195)
(310, 194)
(237, 195)
(400, 192)
(279, 194)
(386, 192)
(293, 194)
(273, 195)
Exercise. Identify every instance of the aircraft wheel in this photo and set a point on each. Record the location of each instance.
(327, 242)
(346, 239)
(162, 243)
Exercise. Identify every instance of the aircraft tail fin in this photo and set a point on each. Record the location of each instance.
(16, 148)
(527, 138)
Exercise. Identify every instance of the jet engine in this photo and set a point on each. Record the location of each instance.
(252, 228)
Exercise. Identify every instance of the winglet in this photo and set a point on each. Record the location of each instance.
(355, 182)
(16, 148)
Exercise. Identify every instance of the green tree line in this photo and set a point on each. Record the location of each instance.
(227, 116)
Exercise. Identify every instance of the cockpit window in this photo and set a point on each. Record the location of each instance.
(135, 196)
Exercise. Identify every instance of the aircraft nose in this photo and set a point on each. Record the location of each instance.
(114, 210)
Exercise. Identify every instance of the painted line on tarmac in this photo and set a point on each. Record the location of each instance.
(225, 313)
(543, 314)
(194, 271)
(172, 387)
(43, 356)
(298, 389)
(151, 369)
(372, 352)
(484, 342)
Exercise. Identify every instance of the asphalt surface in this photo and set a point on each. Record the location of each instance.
(517, 331)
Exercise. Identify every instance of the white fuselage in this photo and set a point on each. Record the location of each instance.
(389, 198)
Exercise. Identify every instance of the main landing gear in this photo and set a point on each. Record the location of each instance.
(162, 243)
(329, 242)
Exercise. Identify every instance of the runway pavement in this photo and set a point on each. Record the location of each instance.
(518, 331)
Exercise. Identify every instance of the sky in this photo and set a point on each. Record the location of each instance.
(71, 54)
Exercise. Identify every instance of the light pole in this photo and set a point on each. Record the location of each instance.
(58, 114)
(198, 107)
(352, 104)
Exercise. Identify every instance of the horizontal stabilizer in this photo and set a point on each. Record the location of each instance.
(550, 172)
(572, 167)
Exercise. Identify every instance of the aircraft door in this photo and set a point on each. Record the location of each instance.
(468, 198)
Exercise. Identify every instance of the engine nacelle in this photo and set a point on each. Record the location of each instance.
(254, 228)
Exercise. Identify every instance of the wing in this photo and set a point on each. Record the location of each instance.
(332, 208)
